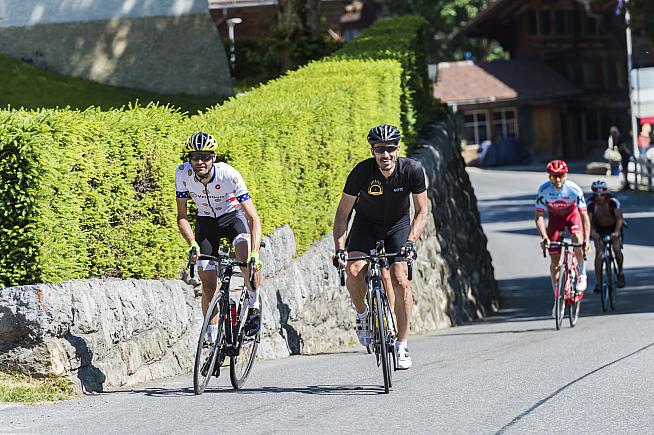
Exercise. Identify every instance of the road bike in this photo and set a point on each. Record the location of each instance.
(231, 315)
(380, 315)
(566, 294)
(608, 277)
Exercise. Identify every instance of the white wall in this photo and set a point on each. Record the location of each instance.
(20, 13)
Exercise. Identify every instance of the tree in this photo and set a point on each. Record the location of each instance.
(641, 17)
(299, 32)
(444, 17)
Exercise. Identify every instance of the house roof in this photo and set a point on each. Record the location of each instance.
(466, 82)
(498, 11)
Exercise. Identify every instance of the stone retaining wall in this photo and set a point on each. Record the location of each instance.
(110, 333)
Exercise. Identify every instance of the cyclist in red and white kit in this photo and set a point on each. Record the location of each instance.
(566, 207)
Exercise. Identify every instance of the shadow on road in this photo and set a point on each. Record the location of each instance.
(532, 298)
(324, 390)
(541, 402)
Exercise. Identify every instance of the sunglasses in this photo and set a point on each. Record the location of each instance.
(198, 157)
(557, 177)
(385, 149)
(602, 194)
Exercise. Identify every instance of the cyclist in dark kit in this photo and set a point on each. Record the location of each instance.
(378, 189)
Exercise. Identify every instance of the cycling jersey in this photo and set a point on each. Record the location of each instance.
(560, 202)
(384, 201)
(222, 194)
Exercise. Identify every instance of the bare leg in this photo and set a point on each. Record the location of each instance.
(403, 299)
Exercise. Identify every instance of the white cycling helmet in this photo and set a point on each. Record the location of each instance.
(599, 186)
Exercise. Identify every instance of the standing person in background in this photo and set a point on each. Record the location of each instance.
(616, 141)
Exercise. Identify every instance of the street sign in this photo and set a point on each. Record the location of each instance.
(642, 93)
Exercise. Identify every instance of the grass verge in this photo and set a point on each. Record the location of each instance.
(24, 85)
(19, 388)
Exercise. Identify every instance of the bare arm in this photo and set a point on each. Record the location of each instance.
(254, 223)
(182, 221)
(419, 217)
(619, 221)
(585, 220)
(340, 220)
(539, 218)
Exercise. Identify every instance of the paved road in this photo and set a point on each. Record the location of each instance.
(512, 373)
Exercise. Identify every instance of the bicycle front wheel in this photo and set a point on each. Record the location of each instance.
(613, 287)
(573, 312)
(206, 355)
(384, 354)
(240, 365)
(559, 305)
(605, 280)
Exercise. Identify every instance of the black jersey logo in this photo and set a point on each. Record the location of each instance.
(375, 188)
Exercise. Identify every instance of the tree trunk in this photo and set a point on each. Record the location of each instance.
(298, 19)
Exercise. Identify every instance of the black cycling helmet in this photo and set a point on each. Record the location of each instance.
(383, 134)
(200, 142)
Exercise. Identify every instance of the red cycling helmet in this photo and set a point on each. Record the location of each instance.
(557, 167)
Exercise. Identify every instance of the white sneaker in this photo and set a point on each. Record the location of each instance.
(363, 331)
(581, 283)
(403, 358)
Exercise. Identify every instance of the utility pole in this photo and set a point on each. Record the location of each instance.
(634, 123)
(231, 23)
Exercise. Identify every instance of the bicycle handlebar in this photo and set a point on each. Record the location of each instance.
(565, 245)
(341, 271)
(250, 265)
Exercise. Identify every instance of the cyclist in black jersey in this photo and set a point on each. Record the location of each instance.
(606, 218)
(224, 210)
(378, 189)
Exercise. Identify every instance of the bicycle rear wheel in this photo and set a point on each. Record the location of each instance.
(206, 355)
(384, 354)
(240, 365)
(605, 280)
(559, 306)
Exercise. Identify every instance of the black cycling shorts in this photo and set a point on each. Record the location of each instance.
(604, 231)
(363, 236)
(209, 230)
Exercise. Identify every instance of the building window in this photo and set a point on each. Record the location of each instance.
(505, 123)
(559, 23)
(545, 23)
(573, 21)
(593, 76)
(532, 23)
(476, 127)
(591, 126)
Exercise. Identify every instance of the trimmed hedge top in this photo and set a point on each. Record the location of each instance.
(401, 39)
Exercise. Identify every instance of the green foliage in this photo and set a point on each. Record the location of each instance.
(19, 388)
(402, 39)
(641, 17)
(88, 194)
(24, 85)
(91, 193)
(444, 17)
(295, 139)
(258, 59)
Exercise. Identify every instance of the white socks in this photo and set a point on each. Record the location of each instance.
(401, 344)
(253, 299)
(362, 315)
(212, 332)
(581, 268)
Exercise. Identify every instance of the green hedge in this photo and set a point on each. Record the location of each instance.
(296, 139)
(91, 194)
(402, 39)
(88, 194)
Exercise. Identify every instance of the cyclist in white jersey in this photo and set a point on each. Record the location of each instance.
(566, 207)
(224, 210)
